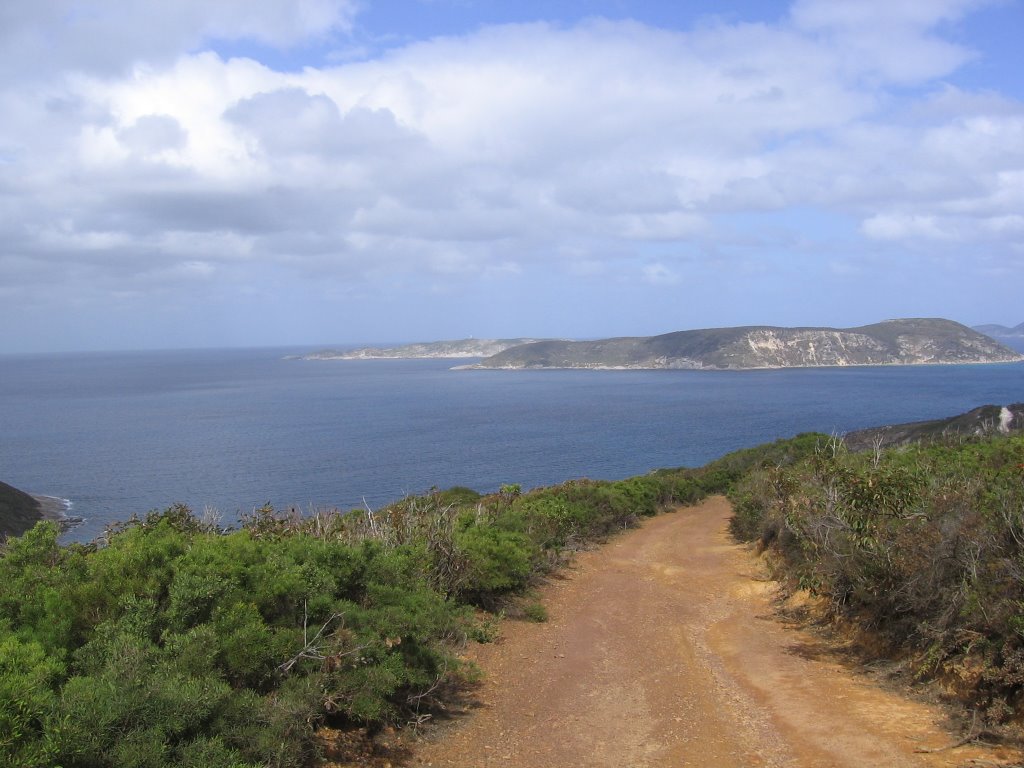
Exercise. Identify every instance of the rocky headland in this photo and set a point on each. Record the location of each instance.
(19, 511)
(979, 422)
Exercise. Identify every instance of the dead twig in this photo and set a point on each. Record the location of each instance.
(971, 736)
(312, 648)
(418, 719)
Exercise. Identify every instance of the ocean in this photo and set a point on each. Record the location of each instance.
(123, 433)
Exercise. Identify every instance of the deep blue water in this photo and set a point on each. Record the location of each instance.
(232, 429)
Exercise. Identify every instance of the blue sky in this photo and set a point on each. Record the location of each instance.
(304, 172)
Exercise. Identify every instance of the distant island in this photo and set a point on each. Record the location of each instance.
(459, 348)
(1001, 331)
(1011, 337)
(918, 341)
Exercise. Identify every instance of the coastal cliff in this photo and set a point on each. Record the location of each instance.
(893, 342)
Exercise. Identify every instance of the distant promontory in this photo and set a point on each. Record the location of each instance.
(19, 511)
(918, 341)
(1011, 337)
(979, 422)
(460, 348)
(1001, 331)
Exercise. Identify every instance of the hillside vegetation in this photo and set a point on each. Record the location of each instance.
(919, 547)
(978, 422)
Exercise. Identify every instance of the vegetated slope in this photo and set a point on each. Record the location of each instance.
(921, 546)
(18, 511)
(986, 420)
(439, 349)
(894, 342)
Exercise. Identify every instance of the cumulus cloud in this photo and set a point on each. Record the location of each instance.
(900, 226)
(135, 150)
(290, 121)
(152, 134)
(887, 39)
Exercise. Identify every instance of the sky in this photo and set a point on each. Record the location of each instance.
(221, 173)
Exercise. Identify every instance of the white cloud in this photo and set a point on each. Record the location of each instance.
(480, 155)
(901, 226)
(676, 225)
(153, 134)
(887, 39)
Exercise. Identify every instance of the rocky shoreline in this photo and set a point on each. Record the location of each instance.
(57, 510)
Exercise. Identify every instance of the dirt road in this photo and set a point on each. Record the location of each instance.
(661, 651)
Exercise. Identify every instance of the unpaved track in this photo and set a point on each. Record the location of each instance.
(661, 651)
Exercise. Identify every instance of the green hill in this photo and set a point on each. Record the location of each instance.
(893, 342)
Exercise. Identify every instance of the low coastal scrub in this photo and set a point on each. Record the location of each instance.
(922, 546)
(172, 642)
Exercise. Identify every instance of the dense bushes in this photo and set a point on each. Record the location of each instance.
(175, 643)
(924, 545)
(178, 645)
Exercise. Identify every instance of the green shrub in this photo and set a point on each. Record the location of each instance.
(535, 611)
(27, 701)
(498, 561)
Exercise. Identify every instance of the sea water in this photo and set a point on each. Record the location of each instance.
(125, 433)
